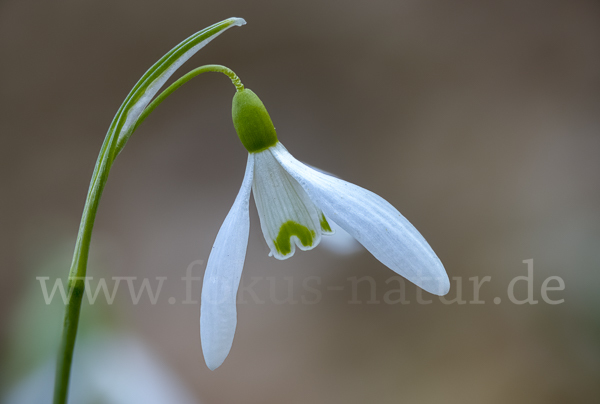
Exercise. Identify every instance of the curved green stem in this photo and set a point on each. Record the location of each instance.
(184, 79)
(121, 128)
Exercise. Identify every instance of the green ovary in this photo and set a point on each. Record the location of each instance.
(252, 122)
(289, 229)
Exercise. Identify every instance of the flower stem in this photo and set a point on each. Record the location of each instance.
(184, 79)
(67, 344)
(123, 125)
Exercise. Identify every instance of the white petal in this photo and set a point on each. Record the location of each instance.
(218, 316)
(376, 224)
(288, 217)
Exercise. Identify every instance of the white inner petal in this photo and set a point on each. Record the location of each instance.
(288, 217)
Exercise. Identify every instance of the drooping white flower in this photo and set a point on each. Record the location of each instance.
(294, 202)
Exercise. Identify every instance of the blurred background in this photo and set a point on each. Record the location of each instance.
(478, 120)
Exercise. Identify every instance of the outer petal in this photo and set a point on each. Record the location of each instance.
(375, 223)
(218, 316)
(288, 217)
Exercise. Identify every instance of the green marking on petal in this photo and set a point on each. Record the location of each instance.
(324, 224)
(289, 229)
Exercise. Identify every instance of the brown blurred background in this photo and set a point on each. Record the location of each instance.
(478, 120)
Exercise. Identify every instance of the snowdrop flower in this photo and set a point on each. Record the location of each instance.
(294, 202)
